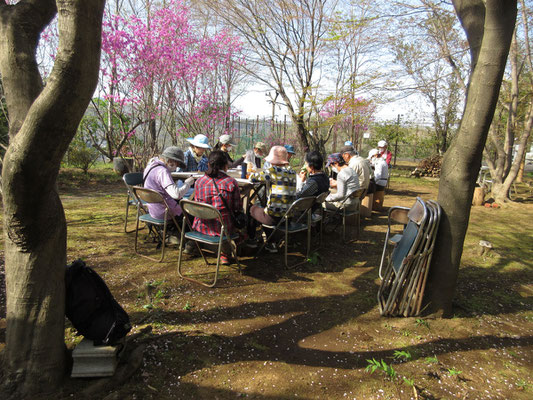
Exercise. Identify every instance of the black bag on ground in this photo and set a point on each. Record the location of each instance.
(91, 307)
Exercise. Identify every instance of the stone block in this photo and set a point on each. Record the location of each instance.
(93, 361)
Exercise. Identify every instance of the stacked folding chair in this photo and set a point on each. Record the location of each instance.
(404, 277)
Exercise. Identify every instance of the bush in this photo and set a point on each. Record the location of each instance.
(81, 155)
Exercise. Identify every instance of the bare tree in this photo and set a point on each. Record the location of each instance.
(428, 46)
(514, 121)
(286, 41)
(489, 26)
(43, 121)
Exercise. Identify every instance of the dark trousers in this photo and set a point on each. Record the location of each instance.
(260, 217)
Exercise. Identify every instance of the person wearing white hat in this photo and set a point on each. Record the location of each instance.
(383, 152)
(195, 159)
(381, 175)
(225, 144)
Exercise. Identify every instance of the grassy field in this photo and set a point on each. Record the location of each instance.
(314, 332)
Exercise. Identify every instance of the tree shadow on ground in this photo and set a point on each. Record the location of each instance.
(285, 341)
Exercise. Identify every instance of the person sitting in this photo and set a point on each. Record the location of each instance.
(280, 180)
(381, 171)
(195, 158)
(225, 144)
(383, 152)
(210, 189)
(157, 176)
(346, 183)
(251, 160)
(290, 151)
(359, 165)
(381, 176)
(315, 181)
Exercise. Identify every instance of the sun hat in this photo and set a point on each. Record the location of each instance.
(382, 143)
(372, 153)
(226, 139)
(347, 149)
(200, 141)
(277, 155)
(261, 146)
(334, 158)
(348, 143)
(289, 148)
(176, 154)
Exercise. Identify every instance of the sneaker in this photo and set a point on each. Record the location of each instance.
(271, 248)
(225, 260)
(253, 243)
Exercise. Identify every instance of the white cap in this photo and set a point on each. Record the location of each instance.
(382, 143)
(372, 153)
(226, 139)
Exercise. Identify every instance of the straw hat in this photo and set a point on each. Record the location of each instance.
(278, 155)
(200, 141)
(176, 154)
(261, 146)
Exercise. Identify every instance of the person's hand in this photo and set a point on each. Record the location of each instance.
(332, 183)
(189, 181)
(303, 175)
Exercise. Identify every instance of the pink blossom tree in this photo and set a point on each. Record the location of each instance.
(165, 77)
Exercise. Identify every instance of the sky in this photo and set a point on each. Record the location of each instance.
(412, 108)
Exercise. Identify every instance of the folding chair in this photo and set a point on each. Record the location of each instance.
(402, 288)
(396, 215)
(204, 211)
(345, 212)
(301, 207)
(149, 196)
(131, 179)
(319, 218)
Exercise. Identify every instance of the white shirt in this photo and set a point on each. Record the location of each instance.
(381, 171)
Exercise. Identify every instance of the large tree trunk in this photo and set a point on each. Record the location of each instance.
(43, 123)
(489, 33)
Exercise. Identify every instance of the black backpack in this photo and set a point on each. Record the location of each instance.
(91, 308)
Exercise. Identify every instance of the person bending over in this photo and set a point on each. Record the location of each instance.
(157, 177)
(347, 182)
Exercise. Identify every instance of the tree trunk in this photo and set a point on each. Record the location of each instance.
(43, 124)
(489, 43)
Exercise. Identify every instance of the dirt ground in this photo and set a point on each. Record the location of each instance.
(311, 332)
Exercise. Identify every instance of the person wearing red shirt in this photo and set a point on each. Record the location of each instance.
(206, 191)
(383, 152)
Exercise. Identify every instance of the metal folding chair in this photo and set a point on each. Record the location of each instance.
(204, 211)
(131, 179)
(344, 212)
(302, 208)
(148, 196)
(402, 288)
(396, 215)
